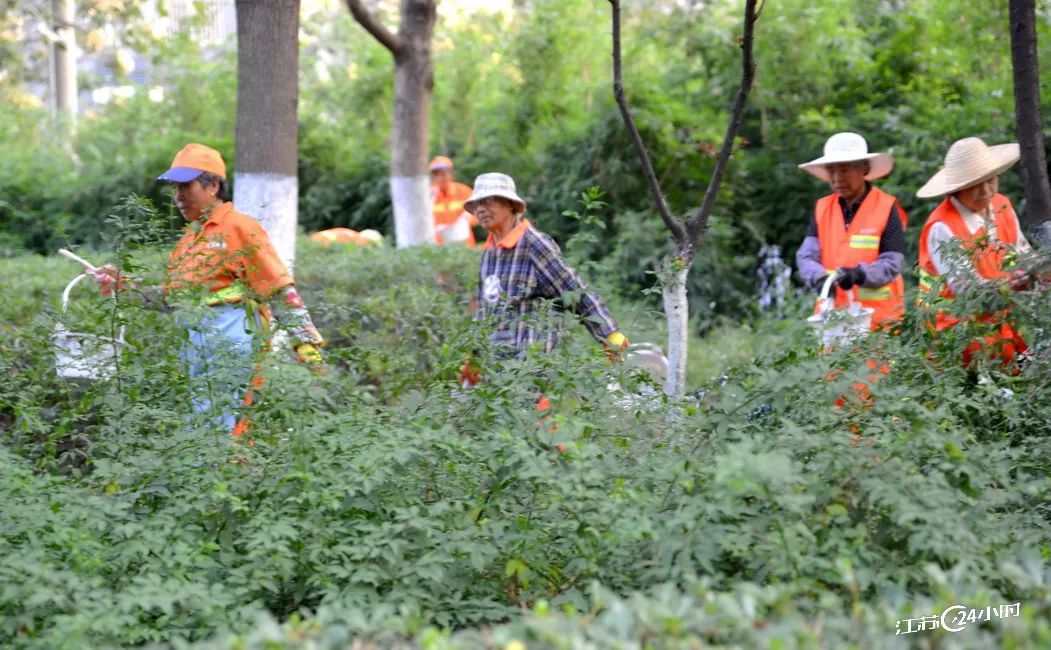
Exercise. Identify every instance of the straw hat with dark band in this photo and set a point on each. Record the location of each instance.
(968, 162)
(848, 147)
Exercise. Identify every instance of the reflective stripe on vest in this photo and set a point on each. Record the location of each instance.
(926, 280)
(227, 295)
(864, 241)
(449, 206)
(879, 293)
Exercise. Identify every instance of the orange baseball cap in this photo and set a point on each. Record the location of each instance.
(441, 162)
(192, 161)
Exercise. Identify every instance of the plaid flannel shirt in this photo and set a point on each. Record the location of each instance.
(518, 276)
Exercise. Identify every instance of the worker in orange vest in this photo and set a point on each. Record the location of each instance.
(223, 264)
(452, 224)
(982, 222)
(858, 230)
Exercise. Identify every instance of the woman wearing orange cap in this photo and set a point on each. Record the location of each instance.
(224, 262)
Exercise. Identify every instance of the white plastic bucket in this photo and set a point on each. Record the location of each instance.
(84, 356)
(836, 327)
(648, 357)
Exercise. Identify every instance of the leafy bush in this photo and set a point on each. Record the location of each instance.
(390, 504)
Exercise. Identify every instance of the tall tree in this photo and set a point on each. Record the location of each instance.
(266, 184)
(685, 233)
(1037, 216)
(413, 80)
(64, 59)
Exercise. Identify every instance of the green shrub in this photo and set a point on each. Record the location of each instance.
(389, 503)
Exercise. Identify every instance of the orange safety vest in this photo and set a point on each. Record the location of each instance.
(988, 262)
(448, 206)
(225, 252)
(858, 243)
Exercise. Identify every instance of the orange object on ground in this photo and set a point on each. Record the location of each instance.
(228, 246)
(340, 236)
(858, 243)
(987, 258)
(448, 210)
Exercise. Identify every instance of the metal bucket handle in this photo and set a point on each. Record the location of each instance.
(65, 302)
(828, 302)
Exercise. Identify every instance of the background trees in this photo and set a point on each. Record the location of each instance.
(527, 91)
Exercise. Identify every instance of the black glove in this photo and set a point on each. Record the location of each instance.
(847, 278)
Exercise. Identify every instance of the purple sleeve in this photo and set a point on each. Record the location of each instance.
(558, 279)
(808, 261)
(886, 267)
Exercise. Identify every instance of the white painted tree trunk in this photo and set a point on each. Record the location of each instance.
(65, 59)
(273, 199)
(413, 221)
(266, 137)
(677, 311)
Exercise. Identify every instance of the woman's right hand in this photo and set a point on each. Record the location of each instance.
(108, 278)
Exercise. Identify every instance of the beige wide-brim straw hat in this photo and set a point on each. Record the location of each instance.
(849, 147)
(970, 161)
(493, 184)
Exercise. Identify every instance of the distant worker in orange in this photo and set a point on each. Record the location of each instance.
(452, 224)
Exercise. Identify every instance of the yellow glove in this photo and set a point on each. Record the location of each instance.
(615, 344)
(308, 353)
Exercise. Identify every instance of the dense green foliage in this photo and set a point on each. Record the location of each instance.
(387, 503)
(529, 93)
(382, 502)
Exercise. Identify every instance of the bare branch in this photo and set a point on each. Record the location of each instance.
(374, 26)
(697, 223)
(677, 231)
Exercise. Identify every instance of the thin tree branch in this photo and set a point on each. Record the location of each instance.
(373, 26)
(697, 223)
(678, 234)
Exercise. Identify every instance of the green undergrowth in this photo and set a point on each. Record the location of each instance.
(382, 503)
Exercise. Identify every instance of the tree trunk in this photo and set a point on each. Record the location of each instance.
(685, 235)
(677, 312)
(410, 185)
(64, 60)
(266, 184)
(1037, 214)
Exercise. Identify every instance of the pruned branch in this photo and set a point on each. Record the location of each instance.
(374, 26)
(698, 221)
(677, 231)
